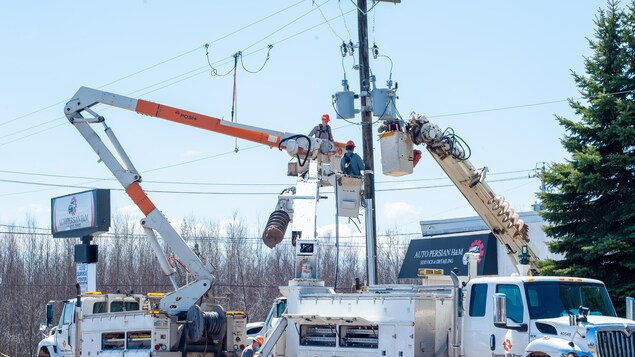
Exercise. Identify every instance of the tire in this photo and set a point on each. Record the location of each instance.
(43, 352)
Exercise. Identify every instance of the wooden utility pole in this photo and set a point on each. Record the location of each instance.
(367, 139)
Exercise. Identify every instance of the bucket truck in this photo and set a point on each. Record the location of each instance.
(498, 316)
(176, 323)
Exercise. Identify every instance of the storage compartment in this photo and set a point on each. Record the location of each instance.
(113, 341)
(139, 340)
(318, 335)
(359, 336)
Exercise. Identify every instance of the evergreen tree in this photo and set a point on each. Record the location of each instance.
(590, 204)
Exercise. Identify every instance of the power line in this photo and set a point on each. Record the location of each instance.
(324, 241)
(159, 63)
(529, 105)
(179, 78)
(193, 183)
(224, 193)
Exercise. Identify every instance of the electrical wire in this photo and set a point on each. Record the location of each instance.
(263, 65)
(339, 4)
(162, 62)
(328, 23)
(367, 10)
(285, 26)
(224, 192)
(257, 241)
(214, 71)
(193, 183)
(187, 75)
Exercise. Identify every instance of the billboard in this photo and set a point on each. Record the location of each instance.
(80, 214)
(447, 253)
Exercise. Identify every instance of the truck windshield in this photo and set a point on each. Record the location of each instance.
(558, 298)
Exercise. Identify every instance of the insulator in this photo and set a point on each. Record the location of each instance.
(514, 218)
(520, 224)
(503, 208)
(496, 203)
(275, 228)
(509, 213)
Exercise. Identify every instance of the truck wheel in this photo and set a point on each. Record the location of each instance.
(43, 352)
(537, 354)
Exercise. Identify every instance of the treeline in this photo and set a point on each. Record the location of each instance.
(36, 268)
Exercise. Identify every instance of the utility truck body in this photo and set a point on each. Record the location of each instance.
(487, 316)
(130, 325)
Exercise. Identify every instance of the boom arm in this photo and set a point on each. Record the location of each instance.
(509, 229)
(86, 97)
(184, 297)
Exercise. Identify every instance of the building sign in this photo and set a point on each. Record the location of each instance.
(80, 214)
(448, 253)
(87, 277)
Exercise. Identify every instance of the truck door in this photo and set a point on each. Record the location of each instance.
(480, 336)
(65, 339)
(511, 341)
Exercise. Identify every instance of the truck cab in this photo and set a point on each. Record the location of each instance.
(62, 338)
(542, 316)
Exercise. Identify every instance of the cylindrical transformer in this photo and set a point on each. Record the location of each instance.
(384, 103)
(276, 227)
(345, 104)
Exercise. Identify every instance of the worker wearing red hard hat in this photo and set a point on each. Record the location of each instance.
(323, 130)
(351, 164)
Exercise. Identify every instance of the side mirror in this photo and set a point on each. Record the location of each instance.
(49, 315)
(500, 310)
(630, 307)
(281, 308)
(573, 321)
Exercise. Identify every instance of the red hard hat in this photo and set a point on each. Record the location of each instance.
(350, 143)
(326, 117)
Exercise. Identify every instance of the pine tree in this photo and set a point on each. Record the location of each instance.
(590, 206)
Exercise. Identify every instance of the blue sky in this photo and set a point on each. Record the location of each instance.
(457, 62)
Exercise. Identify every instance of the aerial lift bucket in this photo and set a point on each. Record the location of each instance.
(397, 156)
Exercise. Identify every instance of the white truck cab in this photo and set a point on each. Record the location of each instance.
(542, 316)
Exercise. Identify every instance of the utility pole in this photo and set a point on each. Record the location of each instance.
(367, 139)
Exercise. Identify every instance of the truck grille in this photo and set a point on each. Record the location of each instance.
(615, 344)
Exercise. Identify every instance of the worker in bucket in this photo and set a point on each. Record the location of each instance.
(391, 125)
(251, 350)
(323, 130)
(351, 164)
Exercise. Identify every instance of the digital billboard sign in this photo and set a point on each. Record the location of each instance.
(80, 214)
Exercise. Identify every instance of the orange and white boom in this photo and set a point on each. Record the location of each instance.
(88, 97)
(180, 300)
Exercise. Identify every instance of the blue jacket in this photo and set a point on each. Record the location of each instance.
(352, 164)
